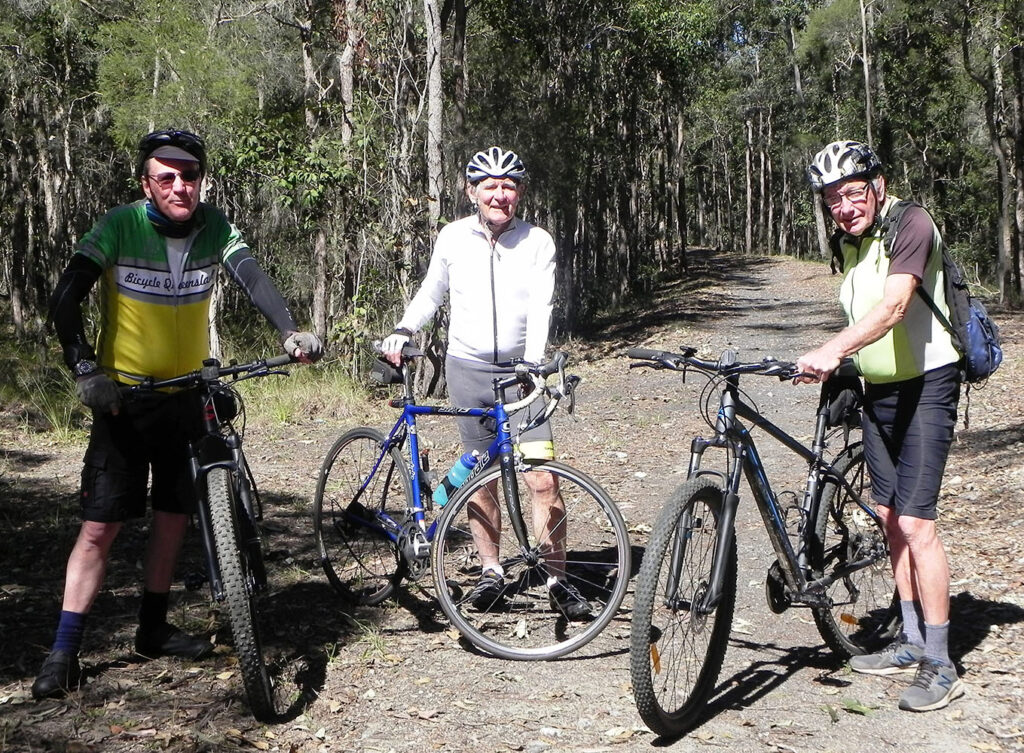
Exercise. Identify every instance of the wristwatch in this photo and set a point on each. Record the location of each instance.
(84, 367)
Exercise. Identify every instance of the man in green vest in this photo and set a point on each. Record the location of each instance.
(912, 385)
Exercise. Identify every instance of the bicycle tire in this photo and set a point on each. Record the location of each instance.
(675, 656)
(361, 562)
(523, 625)
(864, 614)
(239, 592)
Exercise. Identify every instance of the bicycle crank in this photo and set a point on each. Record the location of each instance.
(415, 549)
(775, 590)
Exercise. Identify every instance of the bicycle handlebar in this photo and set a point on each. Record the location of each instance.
(726, 365)
(212, 371)
(534, 376)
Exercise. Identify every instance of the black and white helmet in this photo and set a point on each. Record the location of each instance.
(841, 160)
(189, 144)
(495, 162)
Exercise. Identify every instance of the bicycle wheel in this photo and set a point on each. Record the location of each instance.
(586, 547)
(864, 613)
(356, 513)
(236, 574)
(676, 649)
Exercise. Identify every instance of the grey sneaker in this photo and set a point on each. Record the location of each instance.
(566, 598)
(934, 686)
(898, 656)
(488, 591)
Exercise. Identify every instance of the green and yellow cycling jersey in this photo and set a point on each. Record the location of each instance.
(155, 290)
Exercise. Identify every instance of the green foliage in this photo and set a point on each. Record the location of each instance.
(174, 69)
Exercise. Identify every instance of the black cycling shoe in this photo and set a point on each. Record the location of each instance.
(171, 641)
(59, 675)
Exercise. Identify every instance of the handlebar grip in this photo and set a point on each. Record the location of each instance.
(646, 354)
(282, 360)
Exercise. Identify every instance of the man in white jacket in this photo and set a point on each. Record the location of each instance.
(499, 274)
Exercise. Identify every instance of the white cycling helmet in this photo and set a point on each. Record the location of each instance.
(841, 160)
(495, 162)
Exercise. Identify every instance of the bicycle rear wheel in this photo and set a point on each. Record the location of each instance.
(230, 534)
(864, 611)
(676, 649)
(355, 514)
(586, 547)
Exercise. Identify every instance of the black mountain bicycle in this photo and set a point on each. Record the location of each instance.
(831, 552)
(229, 511)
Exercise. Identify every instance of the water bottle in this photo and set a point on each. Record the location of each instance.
(453, 480)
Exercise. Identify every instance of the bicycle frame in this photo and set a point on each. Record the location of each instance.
(732, 435)
(415, 539)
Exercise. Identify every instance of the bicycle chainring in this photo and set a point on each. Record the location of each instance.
(775, 590)
(414, 548)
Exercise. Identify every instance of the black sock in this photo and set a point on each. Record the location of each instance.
(153, 612)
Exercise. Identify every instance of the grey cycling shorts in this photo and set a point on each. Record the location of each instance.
(469, 386)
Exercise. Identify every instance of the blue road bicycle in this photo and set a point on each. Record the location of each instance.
(375, 524)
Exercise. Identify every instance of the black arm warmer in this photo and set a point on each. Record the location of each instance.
(66, 308)
(246, 271)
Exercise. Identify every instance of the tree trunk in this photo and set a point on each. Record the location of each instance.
(435, 111)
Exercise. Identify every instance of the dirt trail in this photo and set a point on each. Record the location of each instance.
(397, 678)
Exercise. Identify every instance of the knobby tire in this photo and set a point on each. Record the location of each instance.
(864, 614)
(239, 591)
(676, 653)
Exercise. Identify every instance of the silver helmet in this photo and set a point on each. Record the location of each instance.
(495, 162)
(841, 160)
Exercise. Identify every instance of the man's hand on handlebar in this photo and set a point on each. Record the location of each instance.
(816, 366)
(392, 346)
(304, 347)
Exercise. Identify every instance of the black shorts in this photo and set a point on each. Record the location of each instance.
(908, 429)
(149, 432)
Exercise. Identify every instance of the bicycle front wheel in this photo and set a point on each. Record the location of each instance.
(359, 504)
(230, 524)
(678, 641)
(578, 545)
(864, 613)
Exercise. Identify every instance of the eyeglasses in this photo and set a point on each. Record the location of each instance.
(856, 195)
(166, 180)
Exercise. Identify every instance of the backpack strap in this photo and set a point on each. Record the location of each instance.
(890, 227)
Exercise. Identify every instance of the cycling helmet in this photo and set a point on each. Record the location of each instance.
(495, 162)
(841, 160)
(184, 140)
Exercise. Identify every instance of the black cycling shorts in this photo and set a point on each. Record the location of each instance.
(150, 433)
(908, 429)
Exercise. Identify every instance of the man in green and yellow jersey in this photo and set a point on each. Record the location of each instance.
(156, 263)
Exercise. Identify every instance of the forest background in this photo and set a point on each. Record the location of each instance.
(338, 130)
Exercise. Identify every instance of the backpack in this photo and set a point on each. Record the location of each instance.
(974, 334)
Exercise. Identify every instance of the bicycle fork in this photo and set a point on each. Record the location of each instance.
(244, 509)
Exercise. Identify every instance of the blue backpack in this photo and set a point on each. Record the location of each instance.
(974, 334)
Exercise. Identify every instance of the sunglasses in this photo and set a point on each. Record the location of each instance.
(166, 180)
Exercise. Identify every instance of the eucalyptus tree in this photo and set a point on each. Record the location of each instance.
(55, 152)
